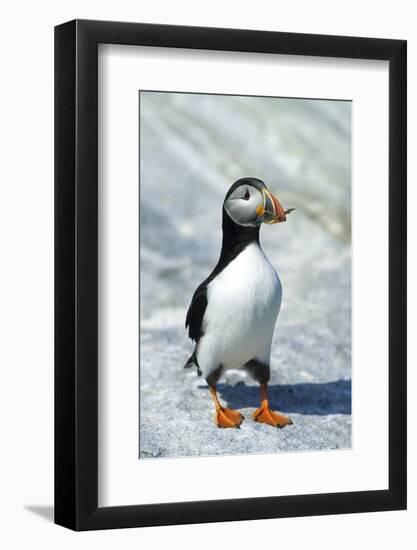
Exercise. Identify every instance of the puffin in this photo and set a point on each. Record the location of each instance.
(233, 312)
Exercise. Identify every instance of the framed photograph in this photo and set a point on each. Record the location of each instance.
(230, 254)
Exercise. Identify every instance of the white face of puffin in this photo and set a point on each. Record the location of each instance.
(249, 206)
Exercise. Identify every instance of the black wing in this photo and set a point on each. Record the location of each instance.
(195, 314)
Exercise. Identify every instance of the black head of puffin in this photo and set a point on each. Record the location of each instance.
(250, 203)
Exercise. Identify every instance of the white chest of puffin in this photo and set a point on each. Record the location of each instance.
(233, 312)
(243, 303)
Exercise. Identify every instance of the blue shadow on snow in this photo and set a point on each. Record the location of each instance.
(306, 398)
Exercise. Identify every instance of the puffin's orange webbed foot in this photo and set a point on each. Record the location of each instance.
(225, 418)
(228, 418)
(267, 416)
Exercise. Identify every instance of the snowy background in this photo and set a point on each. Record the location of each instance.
(192, 148)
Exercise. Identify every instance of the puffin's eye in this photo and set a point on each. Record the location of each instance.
(246, 195)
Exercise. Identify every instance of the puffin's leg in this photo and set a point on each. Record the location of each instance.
(225, 418)
(266, 415)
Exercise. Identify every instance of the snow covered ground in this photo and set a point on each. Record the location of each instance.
(193, 147)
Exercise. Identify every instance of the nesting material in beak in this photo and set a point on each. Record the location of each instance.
(273, 209)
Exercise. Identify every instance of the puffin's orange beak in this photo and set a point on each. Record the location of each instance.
(273, 209)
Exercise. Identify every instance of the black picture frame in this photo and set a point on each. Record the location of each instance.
(76, 272)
